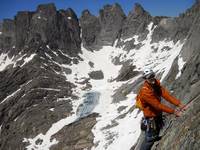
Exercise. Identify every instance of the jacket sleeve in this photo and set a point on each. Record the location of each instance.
(166, 95)
(152, 100)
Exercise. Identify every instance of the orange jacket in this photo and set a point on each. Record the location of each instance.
(151, 101)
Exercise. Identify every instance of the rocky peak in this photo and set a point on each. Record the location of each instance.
(102, 30)
(136, 22)
(108, 11)
(45, 26)
(138, 9)
(7, 40)
(8, 26)
(68, 32)
(175, 28)
(22, 23)
(86, 13)
(71, 13)
(111, 19)
(90, 29)
(46, 9)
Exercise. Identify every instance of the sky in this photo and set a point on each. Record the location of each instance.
(9, 8)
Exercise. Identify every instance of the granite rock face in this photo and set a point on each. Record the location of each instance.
(8, 35)
(104, 29)
(91, 28)
(136, 22)
(34, 94)
(46, 26)
(80, 133)
(187, 87)
(111, 20)
(176, 28)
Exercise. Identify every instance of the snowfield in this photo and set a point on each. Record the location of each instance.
(124, 131)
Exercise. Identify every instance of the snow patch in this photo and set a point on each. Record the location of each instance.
(16, 119)
(135, 37)
(63, 99)
(5, 61)
(51, 109)
(166, 65)
(47, 142)
(27, 59)
(181, 63)
(49, 89)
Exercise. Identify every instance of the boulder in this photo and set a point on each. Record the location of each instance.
(96, 75)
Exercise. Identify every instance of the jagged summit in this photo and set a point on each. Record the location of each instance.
(45, 26)
(86, 12)
(46, 8)
(104, 29)
(138, 9)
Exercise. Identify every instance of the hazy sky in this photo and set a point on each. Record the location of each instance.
(9, 8)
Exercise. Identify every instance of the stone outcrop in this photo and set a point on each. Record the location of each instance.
(8, 35)
(96, 75)
(30, 91)
(127, 72)
(176, 28)
(91, 28)
(136, 22)
(102, 30)
(80, 133)
(47, 26)
(111, 19)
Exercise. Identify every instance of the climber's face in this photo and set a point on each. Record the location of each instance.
(151, 80)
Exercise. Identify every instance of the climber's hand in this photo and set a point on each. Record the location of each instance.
(178, 113)
(183, 107)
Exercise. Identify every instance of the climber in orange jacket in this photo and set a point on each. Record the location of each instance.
(150, 96)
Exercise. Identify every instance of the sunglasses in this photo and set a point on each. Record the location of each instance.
(151, 76)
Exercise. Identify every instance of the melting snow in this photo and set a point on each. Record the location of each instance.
(181, 63)
(27, 59)
(5, 61)
(47, 142)
(51, 109)
(49, 89)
